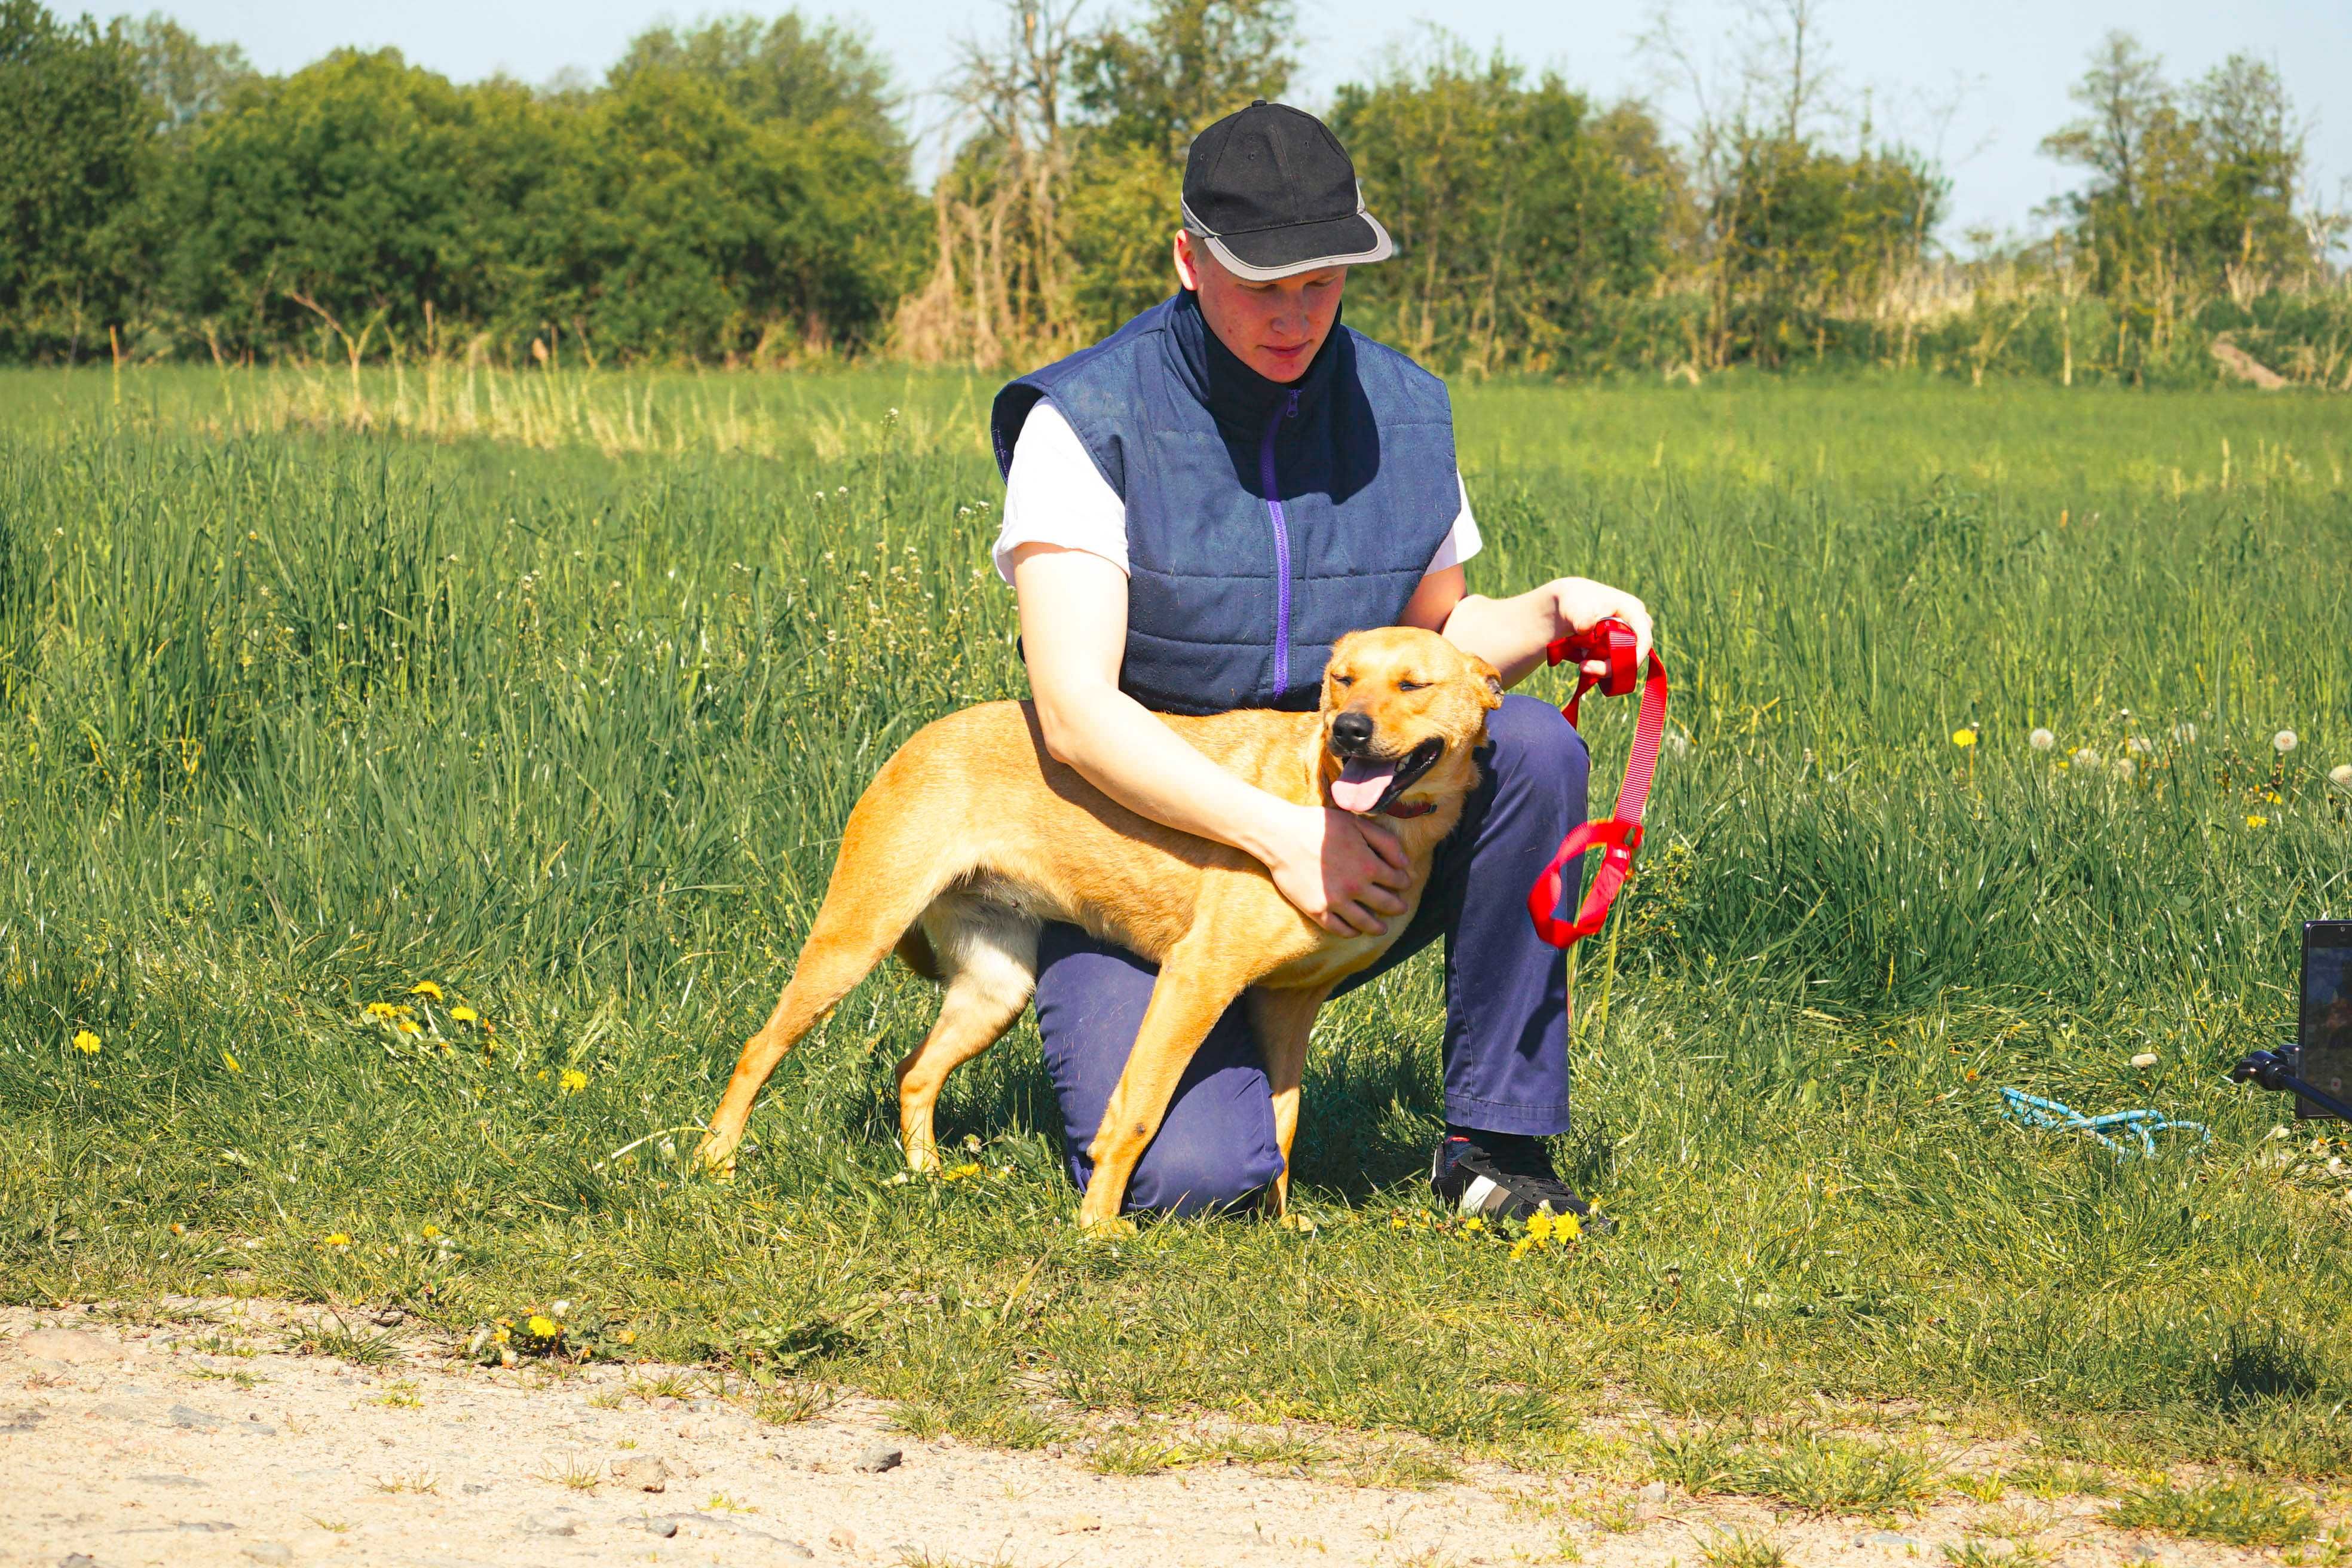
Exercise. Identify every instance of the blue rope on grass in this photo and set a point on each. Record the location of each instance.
(2035, 1111)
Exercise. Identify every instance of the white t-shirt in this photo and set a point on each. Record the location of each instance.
(1053, 494)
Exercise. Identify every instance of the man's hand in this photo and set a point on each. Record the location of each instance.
(1514, 634)
(1580, 603)
(1342, 870)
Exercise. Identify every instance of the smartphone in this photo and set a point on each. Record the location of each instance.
(2323, 1033)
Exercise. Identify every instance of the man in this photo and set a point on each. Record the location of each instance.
(1196, 509)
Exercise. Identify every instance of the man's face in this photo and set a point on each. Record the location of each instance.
(1273, 327)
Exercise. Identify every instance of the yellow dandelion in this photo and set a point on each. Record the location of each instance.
(961, 1173)
(1474, 1223)
(464, 1016)
(85, 1042)
(2254, 820)
(1520, 1248)
(503, 1333)
(1964, 738)
(408, 1026)
(1567, 1227)
(1396, 1221)
(1539, 1224)
(543, 1326)
(431, 1231)
(337, 1239)
(426, 988)
(625, 1337)
(572, 1082)
(229, 1062)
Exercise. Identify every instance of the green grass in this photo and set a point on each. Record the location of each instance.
(1826, 1474)
(292, 718)
(2238, 1512)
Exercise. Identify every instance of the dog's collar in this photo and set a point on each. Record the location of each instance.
(1410, 808)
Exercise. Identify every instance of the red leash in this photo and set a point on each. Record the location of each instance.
(1617, 836)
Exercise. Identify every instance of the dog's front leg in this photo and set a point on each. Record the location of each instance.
(1281, 1021)
(1186, 1002)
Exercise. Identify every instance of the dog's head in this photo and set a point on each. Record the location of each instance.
(1402, 711)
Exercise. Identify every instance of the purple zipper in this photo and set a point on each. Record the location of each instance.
(1281, 546)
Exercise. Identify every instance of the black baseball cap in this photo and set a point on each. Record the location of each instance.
(1272, 191)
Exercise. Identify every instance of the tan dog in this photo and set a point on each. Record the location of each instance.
(973, 835)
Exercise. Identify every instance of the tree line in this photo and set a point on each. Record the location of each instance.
(744, 191)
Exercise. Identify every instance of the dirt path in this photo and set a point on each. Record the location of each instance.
(199, 1442)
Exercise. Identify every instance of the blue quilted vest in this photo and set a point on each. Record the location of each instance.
(1265, 522)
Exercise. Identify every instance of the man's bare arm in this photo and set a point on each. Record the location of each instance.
(1340, 870)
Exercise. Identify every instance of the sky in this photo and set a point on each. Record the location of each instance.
(1977, 83)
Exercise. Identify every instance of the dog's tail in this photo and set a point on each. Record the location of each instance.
(915, 952)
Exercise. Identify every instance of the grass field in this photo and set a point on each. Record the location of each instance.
(295, 717)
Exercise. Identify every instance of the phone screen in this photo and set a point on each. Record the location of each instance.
(2326, 1031)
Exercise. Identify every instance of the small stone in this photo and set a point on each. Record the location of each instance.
(1078, 1523)
(272, 1552)
(665, 1527)
(1655, 1492)
(162, 1480)
(2146, 1552)
(880, 1456)
(844, 1538)
(664, 1402)
(77, 1560)
(390, 1318)
(20, 1420)
(646, 1473)
(72, 1345)
(2144, 1059)
(1893, 1539)
(206, 1527)
(190, 1417)
(475, 1488)
(554, 1521)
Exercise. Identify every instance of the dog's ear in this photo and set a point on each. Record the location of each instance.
(1490, 680)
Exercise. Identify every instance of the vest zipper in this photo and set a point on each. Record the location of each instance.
(1281, 545)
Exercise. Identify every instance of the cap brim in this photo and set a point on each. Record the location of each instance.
(1266, 254)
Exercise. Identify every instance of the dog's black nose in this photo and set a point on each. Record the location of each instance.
(1352, 732)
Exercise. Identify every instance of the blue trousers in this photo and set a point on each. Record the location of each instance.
(1506, 992)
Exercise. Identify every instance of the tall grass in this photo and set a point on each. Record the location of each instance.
(293, 721)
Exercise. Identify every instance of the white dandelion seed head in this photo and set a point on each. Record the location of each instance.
(2285, 742)
(2139, 745)
(2340, 775)
(1678, 743)
(2126, 768)
(2042, 739)
(2185, 732)
(2087, 757)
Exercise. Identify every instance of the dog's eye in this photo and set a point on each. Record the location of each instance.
(1343, 681)
(1411, 684)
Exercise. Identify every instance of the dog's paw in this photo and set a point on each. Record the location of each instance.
(1299, 1221)
(1111, 1229)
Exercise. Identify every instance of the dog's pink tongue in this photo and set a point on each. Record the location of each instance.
(1361, 785)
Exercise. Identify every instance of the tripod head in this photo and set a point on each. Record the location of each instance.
(2275, 1070)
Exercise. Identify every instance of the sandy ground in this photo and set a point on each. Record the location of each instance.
(123, 1445)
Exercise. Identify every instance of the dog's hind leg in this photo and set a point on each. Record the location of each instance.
(987, 955)
(1281, 1022)
(866, 910)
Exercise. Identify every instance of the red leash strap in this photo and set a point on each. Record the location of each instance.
(1618, 836)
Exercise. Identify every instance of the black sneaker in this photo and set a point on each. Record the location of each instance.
(1512, 1179)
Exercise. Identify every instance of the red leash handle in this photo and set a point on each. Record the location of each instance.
(1617, 836)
